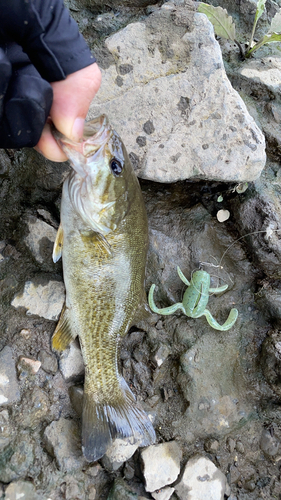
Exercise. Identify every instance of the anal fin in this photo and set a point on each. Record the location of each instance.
(63, 334)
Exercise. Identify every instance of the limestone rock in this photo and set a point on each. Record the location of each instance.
(9, 389)
(119, 452)
(42, 300)
(71, 363)
(201, 480)
(63, 441)
(169, 98)
(161, 464)
(40, 239)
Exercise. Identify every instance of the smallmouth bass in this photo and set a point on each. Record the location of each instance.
(103, 241)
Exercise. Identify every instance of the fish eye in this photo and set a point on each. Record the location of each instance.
(116, 166)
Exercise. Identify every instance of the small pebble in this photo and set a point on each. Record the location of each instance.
(239, 447)
(211, 445)
(25, 333)
(27, 366)
(250, 485)
(223, 215)
(230, 443)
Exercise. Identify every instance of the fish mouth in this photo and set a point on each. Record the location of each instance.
(96, 134)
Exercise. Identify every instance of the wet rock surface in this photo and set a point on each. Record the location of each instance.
(213, 397)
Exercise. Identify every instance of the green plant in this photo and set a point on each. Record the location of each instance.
(225, 27)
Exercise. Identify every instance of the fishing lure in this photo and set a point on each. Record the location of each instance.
(195, 300)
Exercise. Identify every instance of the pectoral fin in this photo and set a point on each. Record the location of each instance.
(58, 245)
(98, 240)
(63, 335)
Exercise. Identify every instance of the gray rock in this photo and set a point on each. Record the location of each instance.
(201, 480)
(263, 76)
(21, 490)
(121, 491)
(41, 300)
(211, 445)
(269, 443)
(17, 459)
(63, 441)
(6, 433)
(5, 163)
(48, 361)
(9, 389)
(270, 358)
(161, 465)
(40, 239)
(71, 362)
(170, 99)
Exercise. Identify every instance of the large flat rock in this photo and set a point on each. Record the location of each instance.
(169, 98)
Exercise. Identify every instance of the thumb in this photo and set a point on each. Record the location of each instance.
(72, 98)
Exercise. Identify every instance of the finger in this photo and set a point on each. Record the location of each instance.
(49, 147)
(72, 98)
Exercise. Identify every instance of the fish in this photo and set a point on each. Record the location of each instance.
(103, 241)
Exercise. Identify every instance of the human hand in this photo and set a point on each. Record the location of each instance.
(71, 101)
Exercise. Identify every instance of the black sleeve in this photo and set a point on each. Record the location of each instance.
(47, 34)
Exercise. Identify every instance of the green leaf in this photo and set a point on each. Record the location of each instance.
(260, 9)
(270, 37)
(222, 22)
(275, 26)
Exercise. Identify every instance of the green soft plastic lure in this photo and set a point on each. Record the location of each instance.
(195, 300)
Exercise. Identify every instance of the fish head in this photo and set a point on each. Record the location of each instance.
(102, 184)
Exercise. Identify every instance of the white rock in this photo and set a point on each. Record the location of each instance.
(163, 494)
(201, 480)
(161, 354)
(45, 301)
(161, 464)
(71, 362)
(178, 115)
(38, 230)
(223, 215)
(119, 452)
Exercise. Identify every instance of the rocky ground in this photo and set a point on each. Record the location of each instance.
(198, 147)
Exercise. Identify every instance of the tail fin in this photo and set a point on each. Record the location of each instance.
(102, 423)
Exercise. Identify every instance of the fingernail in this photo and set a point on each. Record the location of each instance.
(78, 128)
